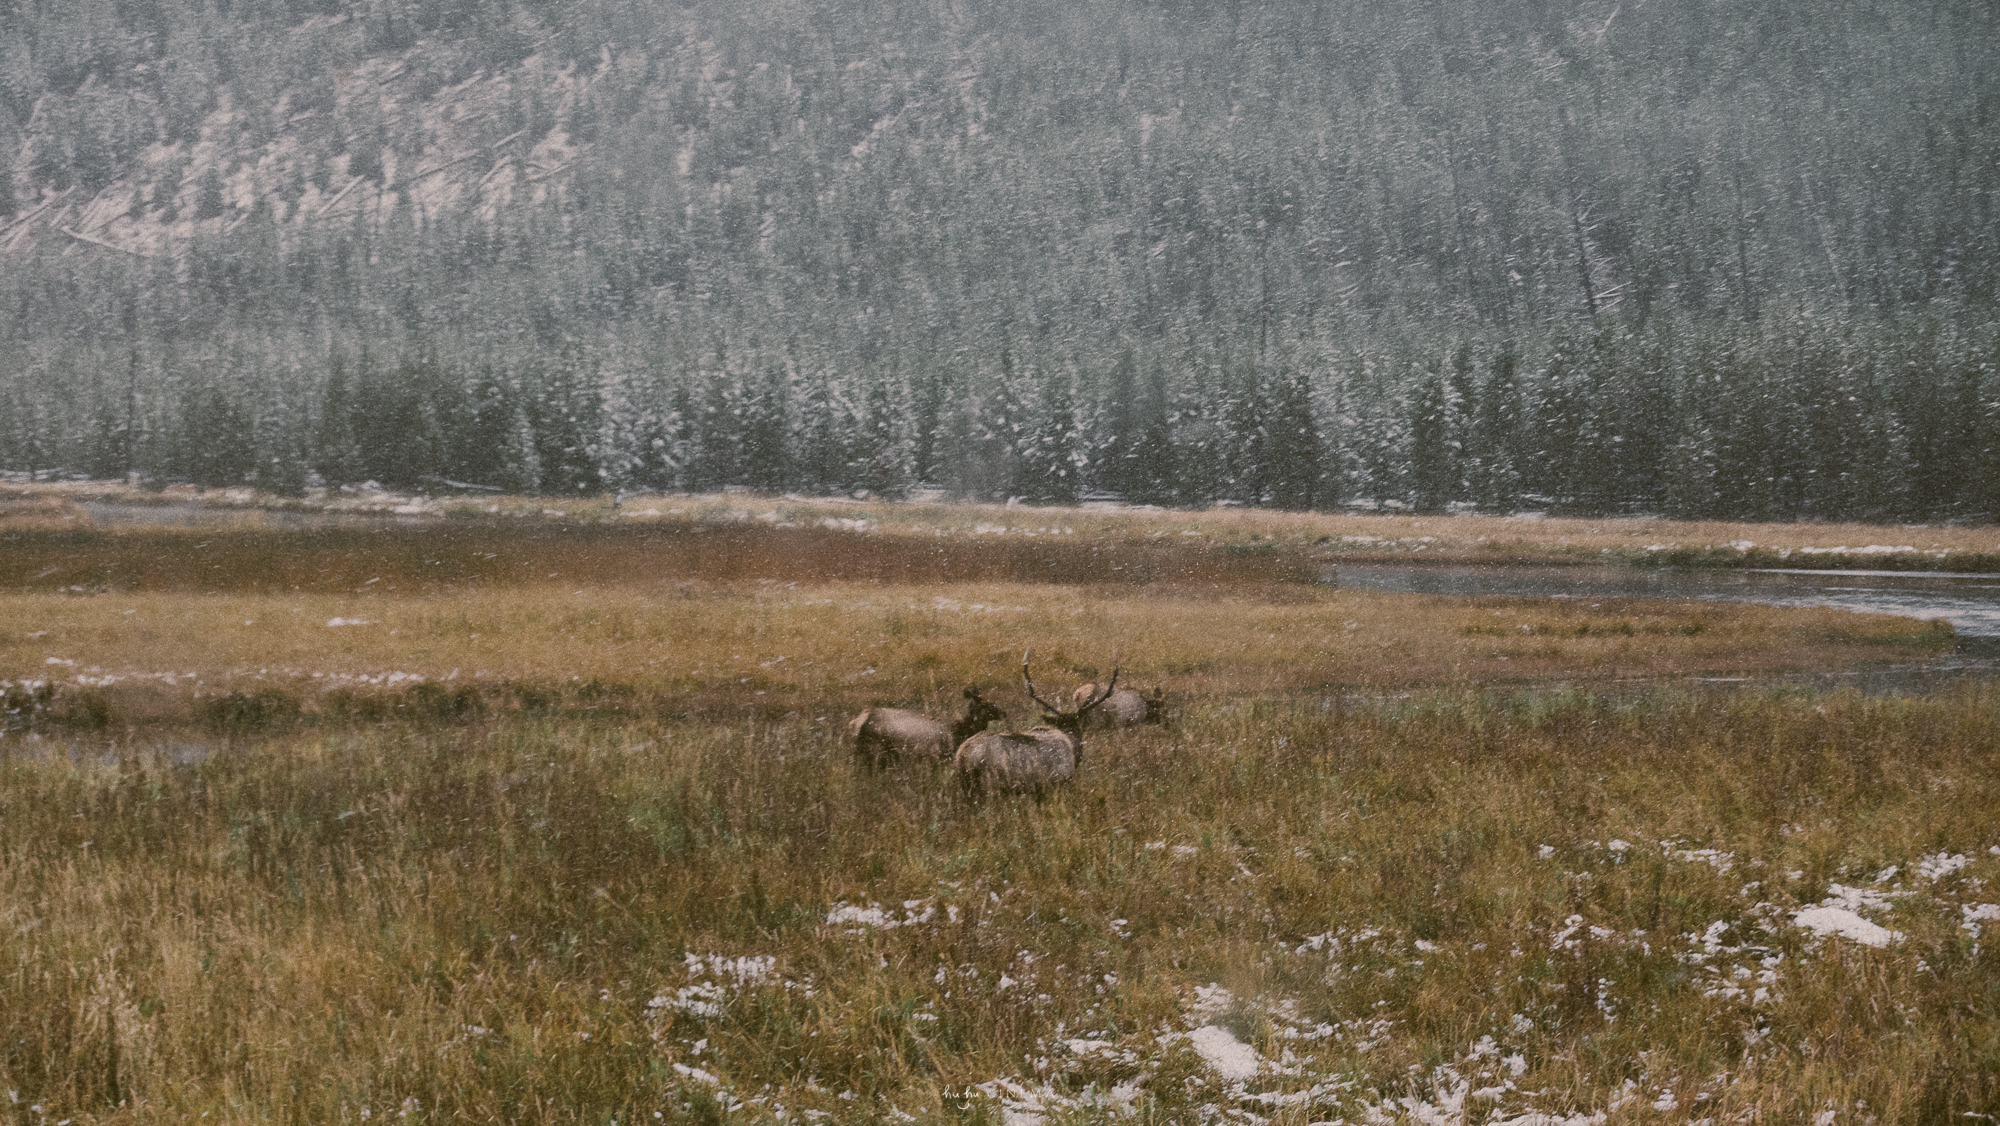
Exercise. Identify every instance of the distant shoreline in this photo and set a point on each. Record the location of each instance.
(1528, 538)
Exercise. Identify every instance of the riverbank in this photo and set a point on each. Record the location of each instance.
(1529, 538)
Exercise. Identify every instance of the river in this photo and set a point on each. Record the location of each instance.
(1970, 602)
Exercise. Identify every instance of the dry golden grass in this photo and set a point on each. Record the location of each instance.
(772, 648)
(1572, 906)
(589, 847)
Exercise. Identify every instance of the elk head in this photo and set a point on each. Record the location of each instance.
(1069, 723)
(978, 713)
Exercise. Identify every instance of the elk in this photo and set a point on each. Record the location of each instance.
(1126, 707)
(881, 734)
(1032, 760)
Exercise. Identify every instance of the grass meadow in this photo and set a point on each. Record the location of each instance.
(551, 820)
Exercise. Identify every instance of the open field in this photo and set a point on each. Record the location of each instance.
(545, 821)
(167, 625)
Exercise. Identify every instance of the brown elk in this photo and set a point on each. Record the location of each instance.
(1125, 707)
(881, 734)
(1031, 760)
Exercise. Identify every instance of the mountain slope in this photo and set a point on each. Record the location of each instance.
(1163, 208)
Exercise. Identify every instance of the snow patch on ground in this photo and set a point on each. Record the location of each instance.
(1824, 921)
(1973, 914)
(1941, 864)
(1870, 549)
(1222, 1051)
(860, 920)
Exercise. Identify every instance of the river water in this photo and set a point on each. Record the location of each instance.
(107, 514)
(1970, 602)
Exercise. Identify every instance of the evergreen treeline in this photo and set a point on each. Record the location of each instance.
(1708, 260)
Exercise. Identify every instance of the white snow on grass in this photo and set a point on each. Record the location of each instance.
(336, 623)
(860, 920)
(1870, 549)
(1859, 899)
(725, 974)
(1941, 864)
(696, 1074)
(1240, 1085)
(1227, 1056)
(1840, 921)
(1713, 857)
(702, 999)
(1025, 1105)
(750, 969)
(1974, 914)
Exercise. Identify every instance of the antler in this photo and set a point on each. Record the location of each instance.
(1106, 694)
(1030, 681)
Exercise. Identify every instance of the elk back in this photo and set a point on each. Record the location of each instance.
(882, 734)
(1123, 708)
(1016, 761)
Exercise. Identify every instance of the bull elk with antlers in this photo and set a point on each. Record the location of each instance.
(882, 734)
(1126, 707)
(1030, 760)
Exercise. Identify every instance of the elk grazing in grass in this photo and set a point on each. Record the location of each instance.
(1031, 760)
(882, 734)
(1125, 707)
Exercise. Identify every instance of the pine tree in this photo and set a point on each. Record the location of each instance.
(650, 466)
(1558, 424)
(1294, 443)
(217, 448)
(1115, 461)
(881, 461)
(336, 454)
(765, 457)
(822, 425)
(1243, 437)
(928, 442)
(1432, 464)
(1049, 462)
(393, 432)
(104, 446)
(563, 414)
(716, 435)
(1496, 428)
(1153, 477)
(681, 434)
(282, 466)
(495, 446)
(992, 469)
(1462, 389)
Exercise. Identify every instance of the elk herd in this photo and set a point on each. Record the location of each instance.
(1034, 760)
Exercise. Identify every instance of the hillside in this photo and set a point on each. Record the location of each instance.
(1583, 254)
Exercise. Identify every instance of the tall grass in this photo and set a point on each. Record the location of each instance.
(475, 841)
(564, 921)
(662, 643)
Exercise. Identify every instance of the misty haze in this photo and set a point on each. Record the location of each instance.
(999, 562)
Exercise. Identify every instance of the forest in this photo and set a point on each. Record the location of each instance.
(1673, 257)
